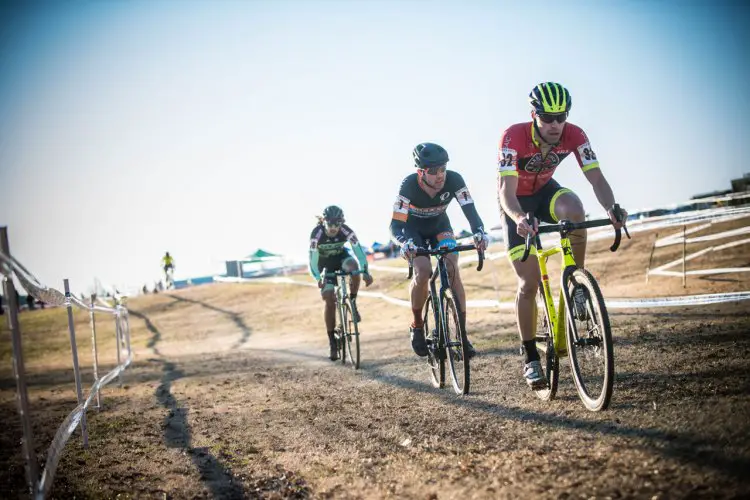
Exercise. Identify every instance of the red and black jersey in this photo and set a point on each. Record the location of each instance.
(520, 154)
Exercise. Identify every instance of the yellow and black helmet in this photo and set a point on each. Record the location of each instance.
(550, 97)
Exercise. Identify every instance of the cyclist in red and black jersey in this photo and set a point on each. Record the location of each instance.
(528, 155)
(327, 251)
(419, 221)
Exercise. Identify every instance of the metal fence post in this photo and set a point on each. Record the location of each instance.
(651, 256)
(127, 330)
(19, 372)
(93, 347)
(684, 249)
(118, 342)
(76, 370)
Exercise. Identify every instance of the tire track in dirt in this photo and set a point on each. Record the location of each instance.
(235, 317)
(177, 434)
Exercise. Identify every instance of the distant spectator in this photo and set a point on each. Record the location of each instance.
(30, 302)
(145, 290)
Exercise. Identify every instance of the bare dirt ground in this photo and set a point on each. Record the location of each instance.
(231, 396)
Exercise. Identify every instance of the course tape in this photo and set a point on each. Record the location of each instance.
(620, 303)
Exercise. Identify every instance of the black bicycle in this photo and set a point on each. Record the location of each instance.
(446, 339)
(347, 329)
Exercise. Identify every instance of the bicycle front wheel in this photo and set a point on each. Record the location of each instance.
(346, 313)
(351, 336)
(589, 341)
(435, 349)
(456, 345)
(545, 344)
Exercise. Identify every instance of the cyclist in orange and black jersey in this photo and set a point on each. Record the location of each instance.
(419, 220)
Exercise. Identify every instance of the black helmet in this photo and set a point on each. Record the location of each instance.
(333, 213)
(428, 155)
(551, 98)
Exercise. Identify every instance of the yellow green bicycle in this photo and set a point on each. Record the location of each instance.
(588, 336)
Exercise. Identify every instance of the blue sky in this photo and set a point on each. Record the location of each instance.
(212, 128)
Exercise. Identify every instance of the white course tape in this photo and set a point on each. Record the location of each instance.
(685, 300)
(661, 269)
(622, 303)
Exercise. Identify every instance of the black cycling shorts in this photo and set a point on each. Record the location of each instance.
(542, 205)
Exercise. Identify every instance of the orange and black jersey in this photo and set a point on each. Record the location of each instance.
(520, 155)
(416, 212)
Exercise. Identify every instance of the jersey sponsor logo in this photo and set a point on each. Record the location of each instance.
(330, 249)
(428, 212)
(536, 164)
(313, 244)
(586, 153)
(463, 196)
(445, 196)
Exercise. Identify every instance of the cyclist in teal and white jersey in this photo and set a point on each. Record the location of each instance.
(327, 251)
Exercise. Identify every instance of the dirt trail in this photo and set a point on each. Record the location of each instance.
(231, 396)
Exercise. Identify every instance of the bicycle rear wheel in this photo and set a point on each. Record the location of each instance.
(435, 352)
(590, 342)
(351, 336)
(456, 346)
(545, 344)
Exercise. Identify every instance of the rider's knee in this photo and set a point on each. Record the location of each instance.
(349, 265)
(527, 287)
(422, 271)
(327, 294)
(570, 208)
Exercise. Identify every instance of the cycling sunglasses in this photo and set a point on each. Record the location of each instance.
(333, 223)
(549, 118)
(435, 170)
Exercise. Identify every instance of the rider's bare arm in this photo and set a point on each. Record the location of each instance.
(602, 189)
(506, 197)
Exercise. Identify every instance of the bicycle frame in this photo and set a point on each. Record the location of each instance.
(442, 271)
(437, 304)
(342, 290)
(556, 317)
(568, 265)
